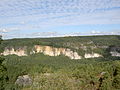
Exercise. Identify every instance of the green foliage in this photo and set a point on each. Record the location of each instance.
(3, 73)
(116, 82)
(61, 73)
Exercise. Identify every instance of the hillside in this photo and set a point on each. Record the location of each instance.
(73, 47)
(45, 63)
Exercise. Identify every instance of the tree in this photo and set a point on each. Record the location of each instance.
(3, 72)
(116, 81)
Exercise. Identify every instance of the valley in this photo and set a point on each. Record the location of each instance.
(62, 63)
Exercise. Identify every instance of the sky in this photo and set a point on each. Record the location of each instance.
(55, 18)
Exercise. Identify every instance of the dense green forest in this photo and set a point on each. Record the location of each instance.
(60, 72)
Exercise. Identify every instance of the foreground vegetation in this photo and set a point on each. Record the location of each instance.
(61, 73)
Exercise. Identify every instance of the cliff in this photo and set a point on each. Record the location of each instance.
(11, 51)
(48, 50)
(93, 55)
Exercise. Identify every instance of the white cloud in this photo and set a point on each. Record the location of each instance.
(95, 32)
(33, 7)
(3, 31)
(56, 34)
(39, 15)
(6, 30)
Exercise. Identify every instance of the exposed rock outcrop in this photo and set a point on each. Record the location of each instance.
(47, 50)
(117, 54)
(19, 52)
(24, 80)
(114, 51)
(93, 55)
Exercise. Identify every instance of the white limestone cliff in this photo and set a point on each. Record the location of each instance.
(93, 55)
(47, 50)
(50, 51)
(19, 52)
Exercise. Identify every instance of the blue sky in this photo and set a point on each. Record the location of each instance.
(48, 18)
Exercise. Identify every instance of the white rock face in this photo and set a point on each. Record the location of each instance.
(47, 50)
(19, 52)
(93, 55)
(115, 54)
(71, 54)
(51, 51)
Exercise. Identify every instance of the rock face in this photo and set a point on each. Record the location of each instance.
(93, 55)
(24, 80)
(47, 50)
(19, 52)
(115, 53)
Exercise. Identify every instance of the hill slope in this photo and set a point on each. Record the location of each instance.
(45, 64)
(74, 47)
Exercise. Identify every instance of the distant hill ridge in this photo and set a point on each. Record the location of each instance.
(73, 47)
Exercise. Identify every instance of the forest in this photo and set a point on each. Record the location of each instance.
(60, 72)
